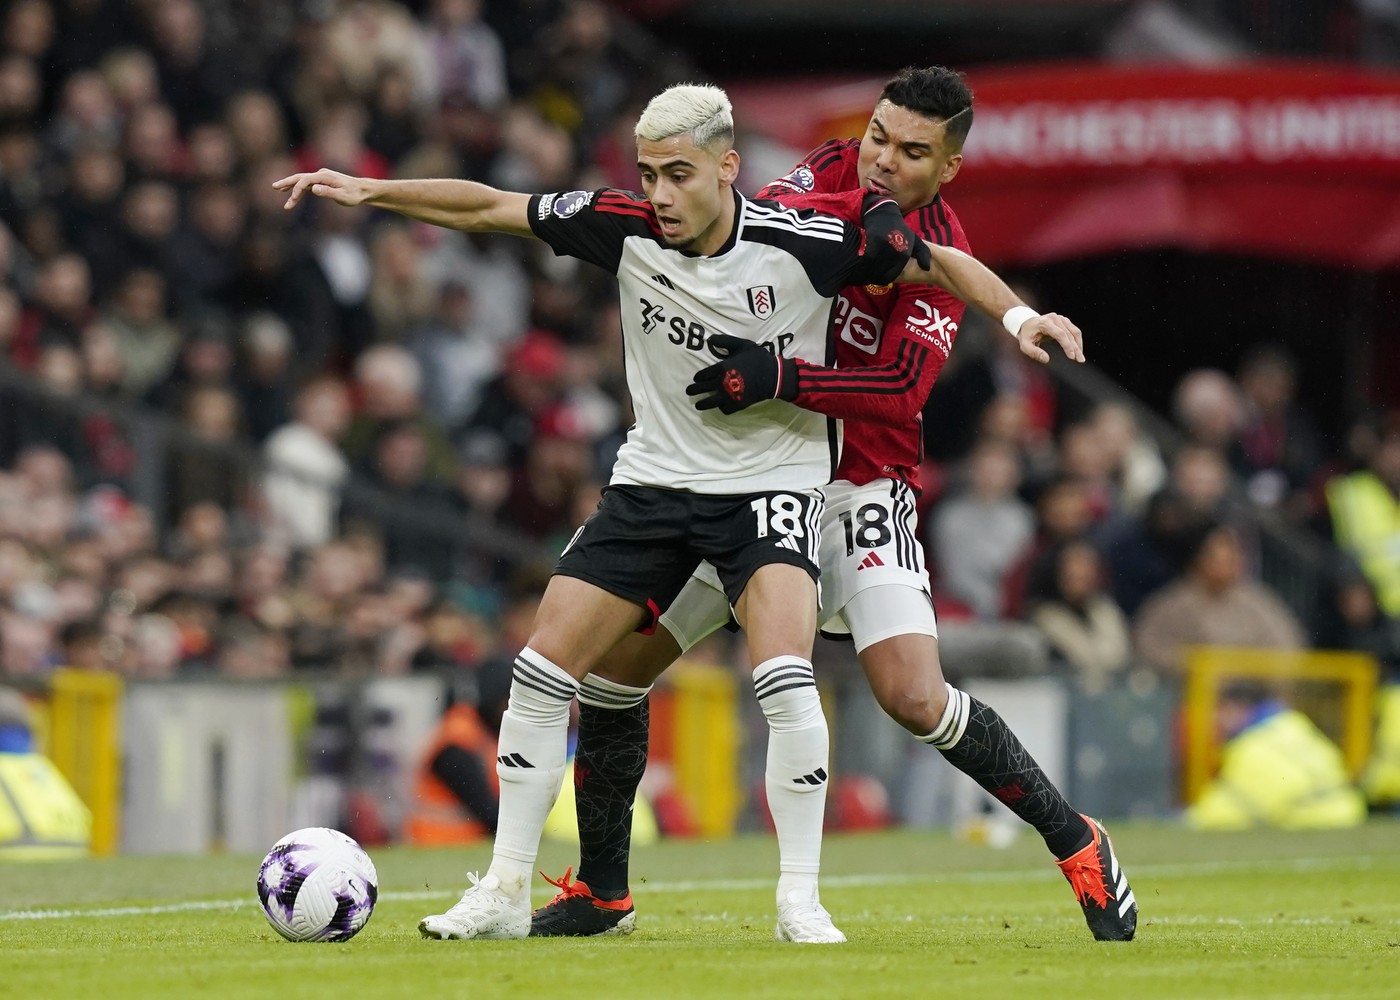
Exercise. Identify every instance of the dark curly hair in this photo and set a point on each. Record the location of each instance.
(935, 92)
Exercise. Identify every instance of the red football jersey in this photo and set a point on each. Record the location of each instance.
(891, 340)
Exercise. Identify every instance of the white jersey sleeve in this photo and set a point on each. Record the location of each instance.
(591, 225)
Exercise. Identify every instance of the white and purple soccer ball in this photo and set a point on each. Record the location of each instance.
(317, 884)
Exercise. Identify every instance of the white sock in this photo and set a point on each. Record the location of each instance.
(603, 693)
(796, 776)
(530, 764)
(952, 723)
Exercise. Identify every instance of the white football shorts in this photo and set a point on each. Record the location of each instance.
(868, 541)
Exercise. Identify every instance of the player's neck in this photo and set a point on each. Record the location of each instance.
(921, 205)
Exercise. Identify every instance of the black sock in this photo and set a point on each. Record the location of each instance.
(612, 754)
(990, 754)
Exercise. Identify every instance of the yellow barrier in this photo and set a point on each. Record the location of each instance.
(705, 745)
(84, 742)
(1336, 689)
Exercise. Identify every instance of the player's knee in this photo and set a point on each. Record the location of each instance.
(912, 694)
(907, 681)
(638, 660)
(551, 648)
(918, 709)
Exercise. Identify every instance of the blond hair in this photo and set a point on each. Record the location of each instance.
(701, 110)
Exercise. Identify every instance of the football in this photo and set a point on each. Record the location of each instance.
(317, 884)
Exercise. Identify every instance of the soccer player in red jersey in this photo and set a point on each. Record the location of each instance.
(890, 343)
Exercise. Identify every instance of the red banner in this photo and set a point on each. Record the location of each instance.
(1290, 160)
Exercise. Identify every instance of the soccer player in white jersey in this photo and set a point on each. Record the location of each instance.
(890, 344)
(694, 259)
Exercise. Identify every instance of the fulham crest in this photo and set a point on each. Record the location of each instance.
(761, 302)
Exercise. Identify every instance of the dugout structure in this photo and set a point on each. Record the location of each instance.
(1337, 690)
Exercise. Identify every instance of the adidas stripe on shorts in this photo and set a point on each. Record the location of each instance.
(643, 543)
(868, 539)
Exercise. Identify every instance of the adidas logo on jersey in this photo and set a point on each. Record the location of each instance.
(664, 281)
(871, 560)
(514, 760)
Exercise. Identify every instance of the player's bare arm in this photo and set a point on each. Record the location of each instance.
(447, 202)
(978, 285)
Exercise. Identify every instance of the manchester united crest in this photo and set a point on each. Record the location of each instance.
(734, 384)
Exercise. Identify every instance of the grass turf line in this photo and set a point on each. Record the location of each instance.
(1249, 915)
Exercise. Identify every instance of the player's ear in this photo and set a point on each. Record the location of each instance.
(729, 167)
(951, 168)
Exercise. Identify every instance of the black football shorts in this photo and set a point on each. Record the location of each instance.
(643, 542)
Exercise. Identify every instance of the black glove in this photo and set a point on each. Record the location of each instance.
(748, 373)
(888, 237)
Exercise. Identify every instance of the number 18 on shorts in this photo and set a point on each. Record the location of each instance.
(868, 540)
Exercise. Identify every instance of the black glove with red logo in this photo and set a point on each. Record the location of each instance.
(747, 373)
(887, 235)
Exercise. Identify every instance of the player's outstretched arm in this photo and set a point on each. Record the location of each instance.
(451, 203)
(979, 286)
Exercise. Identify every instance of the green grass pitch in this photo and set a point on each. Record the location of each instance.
(1263, 915)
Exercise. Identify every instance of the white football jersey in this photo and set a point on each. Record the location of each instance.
(773, 283)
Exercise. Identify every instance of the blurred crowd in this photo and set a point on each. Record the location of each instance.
(371, 427)
(1126, 552)
(244, 441)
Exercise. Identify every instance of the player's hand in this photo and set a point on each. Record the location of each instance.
(748, 373)
(325, 183)
(1051, 326)
(885, 223)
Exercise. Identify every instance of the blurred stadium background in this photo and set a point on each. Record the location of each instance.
(274, 486)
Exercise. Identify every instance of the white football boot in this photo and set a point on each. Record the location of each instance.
(485, 911)
(803, 920)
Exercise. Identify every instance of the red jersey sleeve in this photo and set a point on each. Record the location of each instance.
(919, 332)
(826, 169)
(845, 205)
(920, 326)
